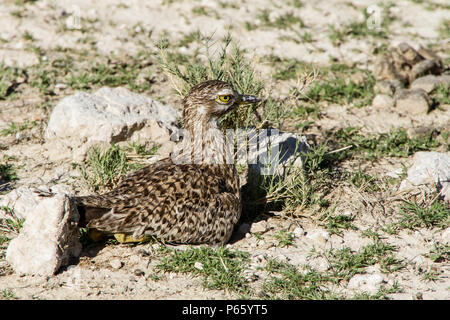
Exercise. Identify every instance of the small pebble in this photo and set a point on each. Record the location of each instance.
(116, 263)
(259, 258)
(198, 265)
(298, 232)
(143, 253)
(418, 296)
(259, 227)
(347, 213)
(139, 272)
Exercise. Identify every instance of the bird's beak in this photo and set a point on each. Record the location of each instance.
(247, 99)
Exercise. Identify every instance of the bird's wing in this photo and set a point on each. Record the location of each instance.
(168, 201)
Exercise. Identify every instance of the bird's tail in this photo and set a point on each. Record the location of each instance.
(91, 207)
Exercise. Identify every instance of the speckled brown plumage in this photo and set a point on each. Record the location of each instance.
(176, 201)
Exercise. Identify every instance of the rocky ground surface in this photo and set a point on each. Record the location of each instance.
(378, 96)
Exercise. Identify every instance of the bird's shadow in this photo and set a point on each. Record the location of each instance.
(238, 235)
(254, 209)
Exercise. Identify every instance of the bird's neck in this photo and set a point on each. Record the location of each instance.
(204, 143)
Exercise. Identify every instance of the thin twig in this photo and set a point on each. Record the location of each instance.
(339, 150)
(226, 269)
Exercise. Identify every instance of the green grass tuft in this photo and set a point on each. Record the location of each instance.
(103, 169)
(9, 80)
(228, 64)
(285, 239)
(286, 282)
(7, 173)
(439, 253)
(284, 21)
(7, 294)
(221, 268)
(396, 143)
(342, 91)
(424, 215)
(336, 223)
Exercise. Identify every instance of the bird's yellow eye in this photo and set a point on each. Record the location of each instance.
(224, 98)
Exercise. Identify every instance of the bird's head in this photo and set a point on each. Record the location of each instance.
(210, 100)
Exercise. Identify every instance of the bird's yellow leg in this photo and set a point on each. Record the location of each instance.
(126, 238)
(96, 235)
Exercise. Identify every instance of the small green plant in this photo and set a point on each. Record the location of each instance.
(28, 36)
(297, 3)
(228, 4)
(189, 38)
(306, 109)
(3, 240)
(9, 80)
(441, 95)
(13, 127)
(111, 73)
(285, 281)
(431, 275)
(439, 253)
(295, 190)
(396, 143)
(345, 263)
(19, 13)
(103, 169)
(201, 11)
(336, 223)
(371, 234)
(285, 239)
(284, 21)
(7, 173)
(10, 224)
(7, 294)
(363, 181)
(444, 29)
(425, 214)
(274, 112)
(44, 79)
(289, 68)
(382, 293)
(342, 91)
(221, 269)
(249, 26)
(361, 29)
(142, 150)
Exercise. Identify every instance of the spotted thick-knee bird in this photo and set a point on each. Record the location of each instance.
(192, 197)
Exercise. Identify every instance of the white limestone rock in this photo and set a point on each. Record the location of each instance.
(298, 232)
(366, 282)
(260, 227)
(272, 151)
(429, 168)
(24, 200)
(430, 82)
(388, 87)
(48, 238)
(319, 237)
(116, 263)
(109, 115)
(414, 101)
(21, 201)
(382, 101)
